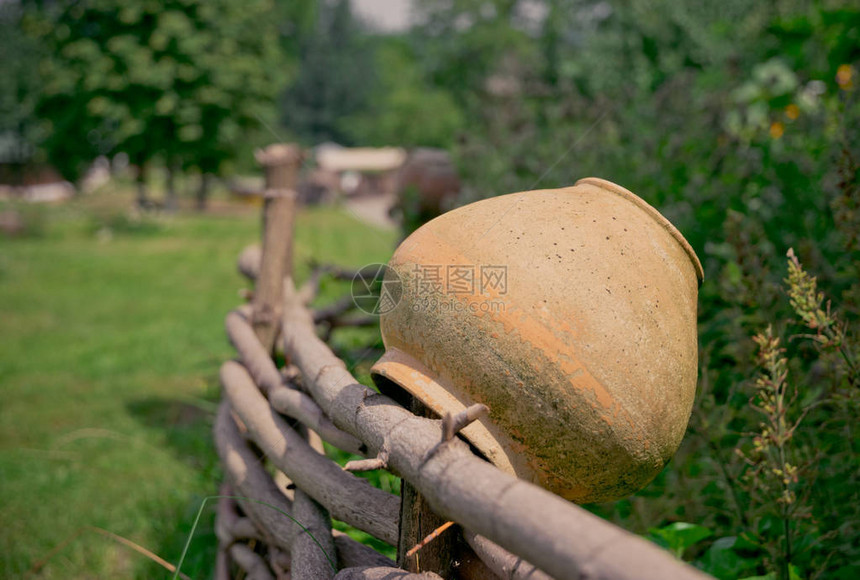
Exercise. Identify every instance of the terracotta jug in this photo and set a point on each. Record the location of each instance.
(571, 314)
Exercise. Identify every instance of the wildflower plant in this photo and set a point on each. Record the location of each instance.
(809, 306)
(791, 455)
(773, 476)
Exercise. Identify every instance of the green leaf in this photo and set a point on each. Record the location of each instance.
(721, 559)
(680, 536)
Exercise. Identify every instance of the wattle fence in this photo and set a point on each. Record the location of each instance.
(281, 491)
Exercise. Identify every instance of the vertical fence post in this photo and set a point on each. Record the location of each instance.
(281, 164)
(417, 521)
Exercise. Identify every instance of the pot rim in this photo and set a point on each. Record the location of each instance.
(611, 187)
(418, 380)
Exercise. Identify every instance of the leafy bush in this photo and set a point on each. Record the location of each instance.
(740, 123)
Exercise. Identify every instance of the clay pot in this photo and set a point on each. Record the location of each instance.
(578, 333)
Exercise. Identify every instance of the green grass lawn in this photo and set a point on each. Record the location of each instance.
(111, 336)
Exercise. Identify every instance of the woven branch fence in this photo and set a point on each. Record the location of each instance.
(281, 491)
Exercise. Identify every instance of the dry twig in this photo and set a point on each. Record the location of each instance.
(435, 534)
(378, 462)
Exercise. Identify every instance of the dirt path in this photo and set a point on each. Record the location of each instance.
(373, 210)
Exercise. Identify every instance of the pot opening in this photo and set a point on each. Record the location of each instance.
(394, 391)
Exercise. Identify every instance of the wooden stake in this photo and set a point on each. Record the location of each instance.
(417, 521)
(281, 164)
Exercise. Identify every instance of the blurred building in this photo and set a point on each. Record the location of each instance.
(359, 171)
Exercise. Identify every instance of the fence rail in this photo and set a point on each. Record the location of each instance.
(278, 417)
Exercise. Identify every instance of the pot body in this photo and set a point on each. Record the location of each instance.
(571, 314)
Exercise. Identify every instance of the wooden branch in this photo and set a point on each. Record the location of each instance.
(351, 554)
(280, 162)
(383, 574)
(244, 528)
(500, 561)
(222, 564)
(286, 400)
(229, 525)
(313, 552)
(224, 518)
(453, 424)
(275, 264)
(250, 479)
(340, 306)
(560, 538)
(280, 563)
(249, 261)
(252, 563)
(253, 481)
(298, 405)
(378, 462)
(281, 165)
(248, 265)
(348, 498)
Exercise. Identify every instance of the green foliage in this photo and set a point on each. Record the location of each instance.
(19, 56)
(182, 80)
(723, 558)
(679, 536)
(740, 123)
(404, 109)
(334, 80)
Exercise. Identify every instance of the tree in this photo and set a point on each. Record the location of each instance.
(177, 81)
(335, 78)
(404, 108)
(19, 57)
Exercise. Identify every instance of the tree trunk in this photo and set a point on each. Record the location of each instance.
(203, 191)
(171, 202)
(142, 197)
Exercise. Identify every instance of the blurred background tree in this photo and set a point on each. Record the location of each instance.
(177, 81)
(335, 77)
(19, 56)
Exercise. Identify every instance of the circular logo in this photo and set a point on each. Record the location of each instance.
(376, 289)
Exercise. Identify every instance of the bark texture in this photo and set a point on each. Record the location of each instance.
(250, 479)
(249, 261)
(348, 498)
(313, 555)
(500, 561)
(275, 263)
(417, 521)
(383, 574)
(284, 398)
(252, 563)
